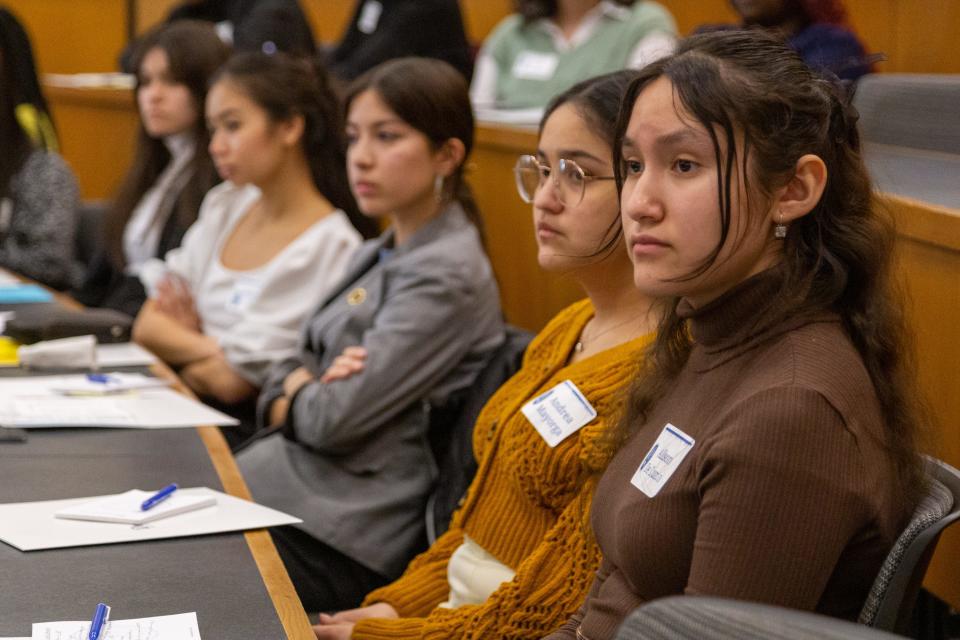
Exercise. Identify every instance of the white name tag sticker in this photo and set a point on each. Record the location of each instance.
(533, 65)
(662, 460)
(559, 413)
(245, 291)
(369, 16)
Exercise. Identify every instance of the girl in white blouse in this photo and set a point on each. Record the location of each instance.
(268, 243)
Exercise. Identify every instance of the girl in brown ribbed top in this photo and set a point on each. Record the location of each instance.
(767, 450)
(516, 561)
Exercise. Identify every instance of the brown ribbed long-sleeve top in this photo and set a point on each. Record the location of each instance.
(786, 496)
(526, 505)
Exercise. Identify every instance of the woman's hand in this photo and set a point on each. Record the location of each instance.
(173, 298)
(349, 363)
(336, 631)
(340, 624)
(296, 379)
(375, 610)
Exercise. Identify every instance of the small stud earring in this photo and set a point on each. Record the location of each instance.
(780, 229)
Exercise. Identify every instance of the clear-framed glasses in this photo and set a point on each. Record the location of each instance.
(569, 179)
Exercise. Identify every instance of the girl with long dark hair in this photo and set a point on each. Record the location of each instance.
(171, 172)
(270, 241)
(768, 449)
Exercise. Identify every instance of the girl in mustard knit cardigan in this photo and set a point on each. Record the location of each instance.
(516, 560)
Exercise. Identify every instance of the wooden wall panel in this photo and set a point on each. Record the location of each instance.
(926, 36)
(328, 18)
(98, 129)
(73, 36)
(152, 12)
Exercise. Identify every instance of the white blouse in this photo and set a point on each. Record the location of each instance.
(141, 236)
(255, 315)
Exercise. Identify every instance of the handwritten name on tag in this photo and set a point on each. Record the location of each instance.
(662, 460)
(559, 413)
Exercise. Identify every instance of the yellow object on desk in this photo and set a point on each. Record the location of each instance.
(8, 352)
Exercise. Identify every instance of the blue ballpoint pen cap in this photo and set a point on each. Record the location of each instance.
(100, 618)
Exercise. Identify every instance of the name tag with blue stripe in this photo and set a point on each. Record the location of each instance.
(559, 413)
(666, 454)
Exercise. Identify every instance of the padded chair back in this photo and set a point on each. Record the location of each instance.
(451, 431)
(919, 111)
(894, 592)
(90, 239)
(702, 618)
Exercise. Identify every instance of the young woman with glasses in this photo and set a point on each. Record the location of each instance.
(767, 451)
(515, 560)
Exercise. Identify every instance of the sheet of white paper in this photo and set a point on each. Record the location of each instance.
(176, 627)
(7, 278)
(34, 403)
(126, 507)
(16, 638)
(123, 354)
(30, 526)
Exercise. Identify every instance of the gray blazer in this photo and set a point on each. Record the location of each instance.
(358, 467)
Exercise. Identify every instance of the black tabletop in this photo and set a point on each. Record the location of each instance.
(215, 576)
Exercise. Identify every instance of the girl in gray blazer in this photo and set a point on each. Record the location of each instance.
(414, 319)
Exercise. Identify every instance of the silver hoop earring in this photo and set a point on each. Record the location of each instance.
(780, 229)
(438, 188)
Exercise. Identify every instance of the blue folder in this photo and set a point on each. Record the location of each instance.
(23, 293)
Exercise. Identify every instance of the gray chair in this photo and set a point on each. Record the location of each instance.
(703, 618)
(910, 126)
(894, 593)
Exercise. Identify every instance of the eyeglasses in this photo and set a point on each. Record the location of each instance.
(569, 179)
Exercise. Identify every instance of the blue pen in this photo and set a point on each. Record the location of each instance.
(100, 618)
(158, 497)
(102, 378)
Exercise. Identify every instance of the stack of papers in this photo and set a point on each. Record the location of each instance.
(130, 401)
(177, 627)
(30, 526)
(104, 384)
(125, 507)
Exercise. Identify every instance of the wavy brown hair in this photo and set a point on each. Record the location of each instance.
(750, 86)
(194, 52)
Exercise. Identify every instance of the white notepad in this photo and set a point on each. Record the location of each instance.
(125, 507)
(30, 526)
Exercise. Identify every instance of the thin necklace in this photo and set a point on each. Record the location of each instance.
(578, 347)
